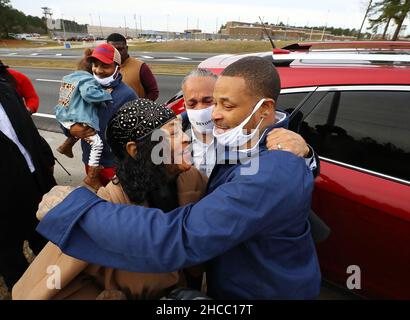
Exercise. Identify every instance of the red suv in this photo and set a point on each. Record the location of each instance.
(351, 103)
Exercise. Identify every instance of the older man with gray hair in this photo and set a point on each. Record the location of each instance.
(197, 89)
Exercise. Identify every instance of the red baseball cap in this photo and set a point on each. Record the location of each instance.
(106, 53)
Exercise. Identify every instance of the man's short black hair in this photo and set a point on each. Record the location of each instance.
(260, 75)
(116, 37)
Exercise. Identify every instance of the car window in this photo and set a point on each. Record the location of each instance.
(289, 101)
(370, 130)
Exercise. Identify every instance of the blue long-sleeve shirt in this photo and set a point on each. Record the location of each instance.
(252, 230)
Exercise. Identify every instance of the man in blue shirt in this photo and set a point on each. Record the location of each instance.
(251, 229)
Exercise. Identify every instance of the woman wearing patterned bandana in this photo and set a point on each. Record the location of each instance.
(138, 181)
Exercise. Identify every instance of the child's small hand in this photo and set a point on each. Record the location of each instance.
(81, 132)
(109, 90)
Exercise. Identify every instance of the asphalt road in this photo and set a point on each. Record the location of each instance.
(47, 85)
(75, 54)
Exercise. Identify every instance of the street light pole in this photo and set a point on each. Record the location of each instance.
(102, 35)
(167, 27)
(62, 20)
(140, 25)
(324, 28)
(136, 27)
(125, 26)
(216, 29)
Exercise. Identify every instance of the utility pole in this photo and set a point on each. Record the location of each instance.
(90, 26)
(62, 20)
(216, 29)
(167, 27)
(140, 25)
(324, 28)
(136, 27)
(102, 34)
(125, 26)
(323, 33)
(364, 19)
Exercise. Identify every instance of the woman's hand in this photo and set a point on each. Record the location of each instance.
(51, 199)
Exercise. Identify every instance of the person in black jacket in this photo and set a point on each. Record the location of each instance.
(26, 168)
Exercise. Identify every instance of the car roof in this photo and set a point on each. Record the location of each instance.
(301, 76)
(303, 73)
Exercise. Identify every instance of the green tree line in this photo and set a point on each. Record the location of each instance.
(15, 21)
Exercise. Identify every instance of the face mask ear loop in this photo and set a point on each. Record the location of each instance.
(116, 73)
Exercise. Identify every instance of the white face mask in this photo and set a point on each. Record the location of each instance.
(106, 81)
(201, 120)
(235, 137)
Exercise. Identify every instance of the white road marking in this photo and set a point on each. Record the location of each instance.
(34, 54)
(44, 115)
(47, 80)
(147, 57)
(12, 54)
(183, 58)
(59, 54)
(167, 59)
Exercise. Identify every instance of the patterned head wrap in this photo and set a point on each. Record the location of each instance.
(136, 120)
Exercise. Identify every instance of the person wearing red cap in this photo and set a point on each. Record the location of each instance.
(105, 81)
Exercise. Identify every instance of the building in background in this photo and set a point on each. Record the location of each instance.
(256, 31)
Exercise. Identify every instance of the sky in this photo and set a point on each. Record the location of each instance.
(177, 15)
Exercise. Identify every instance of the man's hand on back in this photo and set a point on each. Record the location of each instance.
(286, 140)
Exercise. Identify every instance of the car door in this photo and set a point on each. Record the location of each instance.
(362, 135)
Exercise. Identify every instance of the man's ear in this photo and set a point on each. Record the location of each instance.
(267, 107)
(131, 148)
